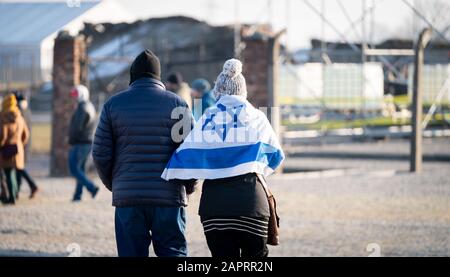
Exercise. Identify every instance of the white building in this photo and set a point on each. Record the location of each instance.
(434, 83)
(337, 86)
(28, 31)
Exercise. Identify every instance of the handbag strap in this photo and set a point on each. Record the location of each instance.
(262, 179)
(269, 195)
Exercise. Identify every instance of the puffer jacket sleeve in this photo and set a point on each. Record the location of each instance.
(189, 120)
(103, 148)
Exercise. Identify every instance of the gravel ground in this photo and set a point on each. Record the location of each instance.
(327, 214)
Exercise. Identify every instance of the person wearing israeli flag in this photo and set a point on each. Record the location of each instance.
(228, 147)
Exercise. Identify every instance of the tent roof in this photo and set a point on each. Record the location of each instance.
(31, 22)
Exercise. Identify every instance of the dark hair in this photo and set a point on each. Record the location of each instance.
(175, 78)
(19, 96)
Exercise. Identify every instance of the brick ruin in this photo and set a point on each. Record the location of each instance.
(69, 69)
(261, 59)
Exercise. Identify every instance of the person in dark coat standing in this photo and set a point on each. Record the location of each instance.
(138, 131)
(81, 131)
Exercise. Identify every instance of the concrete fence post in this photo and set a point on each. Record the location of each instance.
(416, 134)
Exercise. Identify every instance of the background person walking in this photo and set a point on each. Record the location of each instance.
(14, 135)
(22, 103)
(81, 133)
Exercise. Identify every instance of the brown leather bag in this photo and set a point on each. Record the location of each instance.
(274, 219)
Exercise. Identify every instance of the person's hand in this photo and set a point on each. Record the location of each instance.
(190, 186)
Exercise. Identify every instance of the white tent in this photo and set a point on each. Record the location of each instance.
(28, 30)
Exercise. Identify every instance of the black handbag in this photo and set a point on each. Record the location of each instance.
(9, 151)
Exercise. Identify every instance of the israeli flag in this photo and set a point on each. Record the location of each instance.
(231, 138)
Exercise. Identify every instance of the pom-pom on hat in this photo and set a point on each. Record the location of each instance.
(230, 81)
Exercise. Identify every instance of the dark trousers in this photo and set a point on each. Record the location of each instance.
(138, 227)
(78, 155)
(23, 173)
(234, 243)
(11, 184)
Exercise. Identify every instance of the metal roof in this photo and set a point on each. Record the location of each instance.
(31, 22)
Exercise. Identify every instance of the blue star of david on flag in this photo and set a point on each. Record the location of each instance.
(222, 129)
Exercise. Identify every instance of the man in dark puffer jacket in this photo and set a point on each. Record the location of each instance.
(132, 145)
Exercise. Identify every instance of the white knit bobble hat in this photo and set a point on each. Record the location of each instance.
(83, 93)
(230, 81)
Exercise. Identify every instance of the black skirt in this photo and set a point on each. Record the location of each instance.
(237, 196)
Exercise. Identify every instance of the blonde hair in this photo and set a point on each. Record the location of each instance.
(9, 103)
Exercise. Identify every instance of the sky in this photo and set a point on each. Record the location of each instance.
(388, 19)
